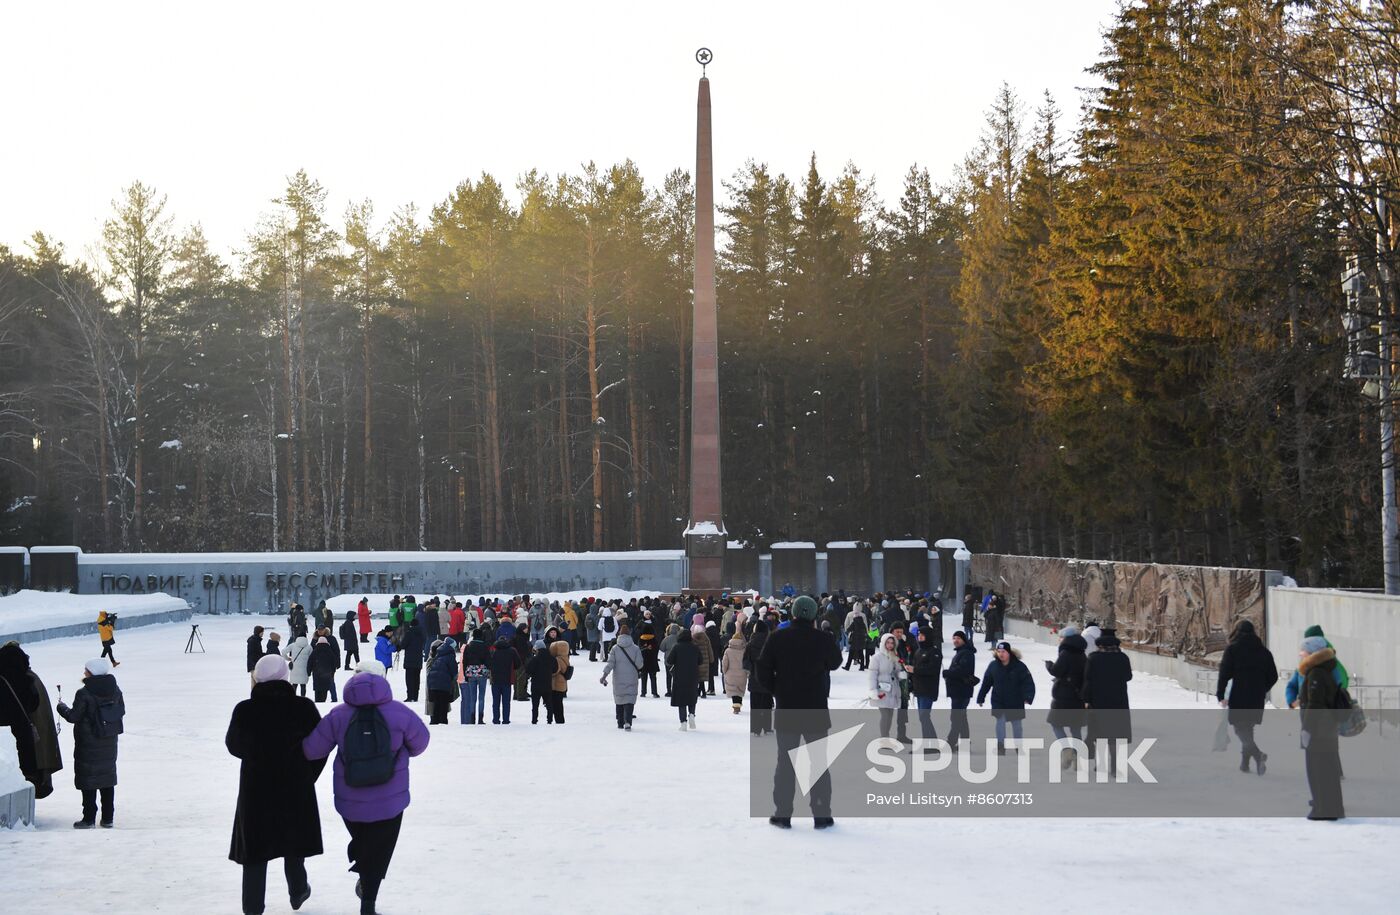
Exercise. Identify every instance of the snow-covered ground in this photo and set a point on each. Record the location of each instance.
(587, 818)
(26, 611)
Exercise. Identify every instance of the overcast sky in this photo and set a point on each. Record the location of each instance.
(215, 104)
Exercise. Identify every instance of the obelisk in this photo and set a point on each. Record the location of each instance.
(705, 537)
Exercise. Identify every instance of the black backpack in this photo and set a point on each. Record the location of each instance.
(367, 752)
(108, 721)
(608, 624)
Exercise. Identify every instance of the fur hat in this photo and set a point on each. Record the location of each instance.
(1069, 631)
(370, 666)
(270, 667)
(97, 667)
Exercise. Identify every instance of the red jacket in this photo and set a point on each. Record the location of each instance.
(363, 611)
(459, 619)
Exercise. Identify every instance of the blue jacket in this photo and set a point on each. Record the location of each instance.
(1010, 684)
(384, 651)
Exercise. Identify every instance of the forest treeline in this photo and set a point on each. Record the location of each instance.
(1114, 336)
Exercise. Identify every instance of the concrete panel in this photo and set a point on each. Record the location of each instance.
(741, 568)
(906, 568)
(12, 568)
(848, 569)
(267, 582)
(54, 568)
(795, 565)
(1364, 628)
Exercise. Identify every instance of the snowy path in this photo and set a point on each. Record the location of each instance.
(587, 818)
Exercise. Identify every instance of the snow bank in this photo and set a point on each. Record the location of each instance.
(25, 611)
(905, 544)
(704, 529)
(948, 543)
(54, 549)
(792, 545)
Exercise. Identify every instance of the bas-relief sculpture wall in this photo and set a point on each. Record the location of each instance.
(1169, 609)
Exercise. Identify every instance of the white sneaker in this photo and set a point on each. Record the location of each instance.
(682, 725)
(692, 722)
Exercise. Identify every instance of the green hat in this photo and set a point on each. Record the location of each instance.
(1312, 630)
(804, 608)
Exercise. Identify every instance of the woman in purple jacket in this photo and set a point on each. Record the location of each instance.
(372, 813)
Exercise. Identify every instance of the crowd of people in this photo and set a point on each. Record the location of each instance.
(779, 654)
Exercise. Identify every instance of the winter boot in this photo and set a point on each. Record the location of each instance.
(1260, 760)
(1001, 748)
(84, 824)
(692, 722)
(299, 898)
(682, 725)
(780, 822)
(823, 822)
(1067, 759)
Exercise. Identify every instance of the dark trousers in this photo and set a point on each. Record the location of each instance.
(592, 651)
(556, 705)
(683, 709)
(413, 678)
(441, 703)
(649, 675)
(371, 849)
(668, 681)
(107, 650)
(352, 650)
(500, 703)
(1324, 765)
(856, 655)
(1248, 748)
(624, 714)
(535, 699)
(255, 881)
(607, 648)
(364, 638)
(90, 804)
(785, 779)
(761, 713)
(959, 729)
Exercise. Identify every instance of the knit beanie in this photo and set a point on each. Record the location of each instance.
(1069, 631)
(270, 667)
(804, 608)
(97, 667)
(1314, 643)
(1313, 630)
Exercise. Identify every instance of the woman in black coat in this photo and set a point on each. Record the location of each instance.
(684, 662)
(1248, 667)
(266, 732)
(1066, 703)
(349, 637)
(324, 663)
(255, 648)
(1105, 694)
(961, 678)
(923, 682)
(760, 700)
(96, 716)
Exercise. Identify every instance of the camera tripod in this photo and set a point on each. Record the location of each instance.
(194, 638)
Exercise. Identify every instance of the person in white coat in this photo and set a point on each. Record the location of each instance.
(625, 667)
(885, 673)
(299, 661)
(607, 630)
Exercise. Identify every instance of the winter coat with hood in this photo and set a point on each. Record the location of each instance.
(684, 661)
(540, 671)
(24, 700)
(413, 646)
(442, 672)
(255, 650)
(961, 674)
(408, 736)
(731, 666)
(299, 660)
(1106, 675)
(362, 614)
(650, 647)
(857, 630)
(1011, 686)
(266, 733)
(95, 745)
(706, 649)
(456, 621)
(325, 661)
(752, 651)
(884, 675)
(1068, 671)
(559, 650)
(503, 663)
(928, 668)
(1248, 667)
(673, 634)
(105, 627)
(348, 630)
(384, 651)
(1317, 697)
(476, 658)
(625, 667)
(604, 635)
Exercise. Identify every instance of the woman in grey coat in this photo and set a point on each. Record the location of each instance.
(625, 664)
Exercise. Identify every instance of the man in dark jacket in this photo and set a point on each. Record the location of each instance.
(266, 732)
(347, 636)
(412, 661)
(503, 664)
(255, 648)
(683, 664)
(923, 680)
(1248, 668)
(96, 716)
(961, 677)
(761, 701)
(795, 667)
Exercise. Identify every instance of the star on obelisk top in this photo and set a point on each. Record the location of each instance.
(703, 58)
